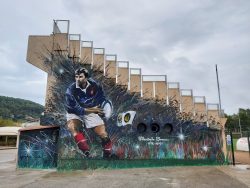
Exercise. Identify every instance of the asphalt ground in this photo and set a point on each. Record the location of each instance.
(193, 176)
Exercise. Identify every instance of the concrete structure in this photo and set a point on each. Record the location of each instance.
(75, 45)
(173, 93)
(110, 66)
(187, 104)
(87, 52)
(154, 86)
(42, 48)
(200, 109)
(122, 73)
(135, 81)
(9, 131)
(200, 176)
(99, 58)
(213, 114)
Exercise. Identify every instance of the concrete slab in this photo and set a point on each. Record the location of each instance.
(240, 172)
(7, 155)
(176, 177)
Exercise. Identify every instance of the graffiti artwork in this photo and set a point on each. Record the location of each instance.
(107, 119)
(100, 120)
(38, 148)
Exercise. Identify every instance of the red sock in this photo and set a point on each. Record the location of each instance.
(107, 145)
(81, 142)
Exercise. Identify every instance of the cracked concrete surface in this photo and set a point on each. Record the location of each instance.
(176, 177)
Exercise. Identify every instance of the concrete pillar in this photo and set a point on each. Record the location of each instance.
(200, 109)
(154, 86)
(213, 116)
(60, 42)
(223, 121)
(39, 48)
(110, 66)
(135, 80)
(99, 59)
(87, 52)
(173, 94)
(75, 46)
(161, 88)
(187, 103)
(148, 87)
(122, 73)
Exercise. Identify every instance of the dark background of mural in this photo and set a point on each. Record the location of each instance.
(38, 148)
(179, 136)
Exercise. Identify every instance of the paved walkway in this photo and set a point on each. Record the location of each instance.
(205, 176)
(7, 155)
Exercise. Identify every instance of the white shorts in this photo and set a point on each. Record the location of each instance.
(90, 120)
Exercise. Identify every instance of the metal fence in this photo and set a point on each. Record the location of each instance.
(238, 147)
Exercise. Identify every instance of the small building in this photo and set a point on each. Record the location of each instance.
(8, 136)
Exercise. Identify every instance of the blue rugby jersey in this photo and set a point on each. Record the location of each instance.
(77, 99)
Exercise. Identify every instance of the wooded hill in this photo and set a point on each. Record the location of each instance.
(15, 109)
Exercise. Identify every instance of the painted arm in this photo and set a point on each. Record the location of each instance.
(100, 95)
(72, 106)
(75, 108)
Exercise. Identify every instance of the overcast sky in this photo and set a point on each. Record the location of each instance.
(183, 39)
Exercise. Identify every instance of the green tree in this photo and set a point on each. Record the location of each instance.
(18, 109)
(242, 118)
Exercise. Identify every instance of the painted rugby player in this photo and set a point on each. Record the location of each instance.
(83, 100)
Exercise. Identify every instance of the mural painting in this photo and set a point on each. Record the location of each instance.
(104, 125)
(101, 121)
(37, 148)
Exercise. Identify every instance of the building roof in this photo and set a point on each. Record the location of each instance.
(8, 131)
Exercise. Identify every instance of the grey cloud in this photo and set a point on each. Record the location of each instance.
(183, 39)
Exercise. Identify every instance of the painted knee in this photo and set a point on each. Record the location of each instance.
(101, 131)
(74, 126)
